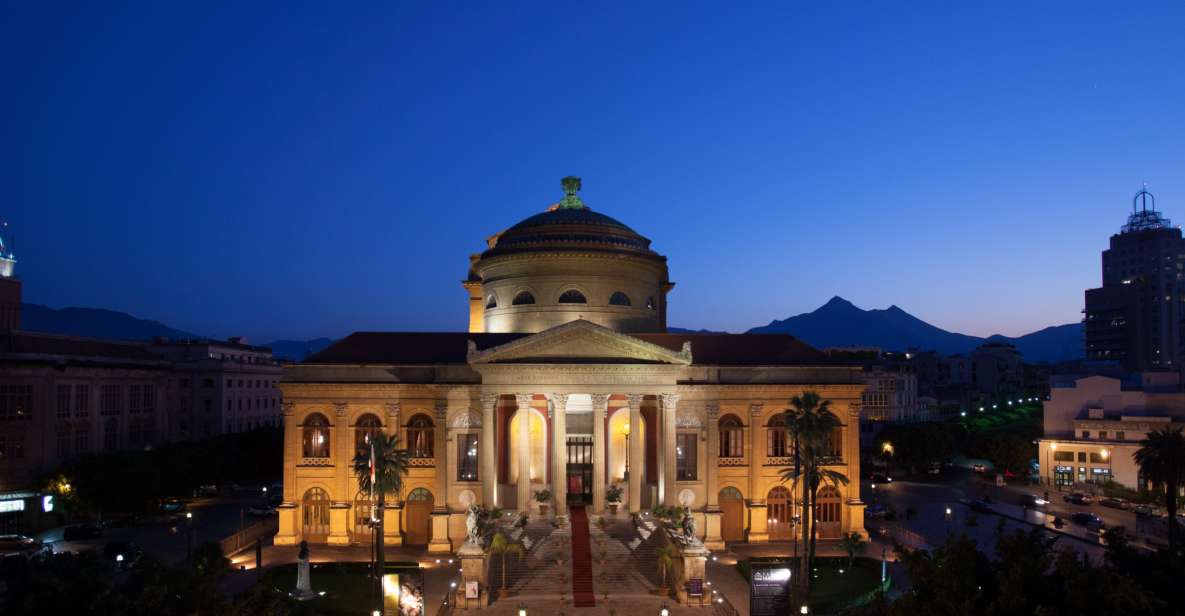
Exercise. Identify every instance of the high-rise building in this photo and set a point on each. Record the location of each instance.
(10, 285)
(1134, 319)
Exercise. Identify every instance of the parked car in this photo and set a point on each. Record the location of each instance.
(880, 478)
(978, 468)
(172, 505)
(1089, 520)
(74, 532)
(1115, 503)
(123, 554)
(1078, 498)
(1033, 501)
(1144, 511)
(876, 511)
(23, 545)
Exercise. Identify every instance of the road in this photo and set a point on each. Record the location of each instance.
(165, 536)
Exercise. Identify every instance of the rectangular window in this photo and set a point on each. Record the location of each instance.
(134, 397)
(109, 399)
(1103, 435)
(82, 439)
(16, 402)
(149, 403)
(686, 456)
(1086, 434)
(1082, 456)
(64, 401)
(82, 400)
(1119, 435)
(1097, 458)
(1063, 456)
(467, 457)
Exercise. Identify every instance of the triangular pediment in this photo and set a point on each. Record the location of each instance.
(580, 341)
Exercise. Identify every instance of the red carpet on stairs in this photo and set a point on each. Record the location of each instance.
(582, 582)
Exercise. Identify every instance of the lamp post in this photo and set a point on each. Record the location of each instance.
(626, 431)
(188, 535)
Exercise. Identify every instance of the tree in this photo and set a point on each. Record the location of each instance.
(1161, 458)
(503, 547)
(380, 469)
(810, 423)
(853, 544)
(665, 558)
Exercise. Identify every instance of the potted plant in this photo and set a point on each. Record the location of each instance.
(543, 497)
(501, 546)
(665, 559)
(613, 498)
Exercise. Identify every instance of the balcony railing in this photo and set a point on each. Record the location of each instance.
(421, 462)
(779, 460)
(316, 461)
(734, 461)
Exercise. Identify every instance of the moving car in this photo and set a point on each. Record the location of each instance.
(1078, 498)
(1089, 520)
(1115, 503)
(74, 532)
(880, 478)
(172, 505)
(23, 545)
(978, 468)
(1033, 501)
(1144, 511)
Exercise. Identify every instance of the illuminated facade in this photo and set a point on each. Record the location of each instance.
(568, 339)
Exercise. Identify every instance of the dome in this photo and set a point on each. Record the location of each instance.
(569, 225)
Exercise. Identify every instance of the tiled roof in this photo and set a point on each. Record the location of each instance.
(32, 346)
(410, 348)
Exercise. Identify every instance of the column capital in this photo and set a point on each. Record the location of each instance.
(635, 401)
(756, 408)
(669, 401)
(288, 408)
(524, 400)
(600, 402)
(339, 408)
(559, 400)
(393, 409)
(441, 411)
(712, 409)
(489, 401)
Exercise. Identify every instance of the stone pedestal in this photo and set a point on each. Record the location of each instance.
(440, 543)
(339, 523)
(713, 540)
(286, 535)
(474, 569)
(393, 524)
(695, 562)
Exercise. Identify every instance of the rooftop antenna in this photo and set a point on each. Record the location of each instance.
(1144, 217)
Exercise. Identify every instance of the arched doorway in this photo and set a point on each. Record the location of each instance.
(732, 515)
(363, 507)
(315, 515)
(419, 516)
(780, 509)
(827, 521)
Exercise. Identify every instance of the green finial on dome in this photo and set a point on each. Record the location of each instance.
(571, 201)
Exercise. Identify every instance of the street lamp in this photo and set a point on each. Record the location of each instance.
(663, 611)
(626, 431)
(522, 609)
(188, 535)
(803, 609)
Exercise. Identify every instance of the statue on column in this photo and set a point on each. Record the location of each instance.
(304, 588)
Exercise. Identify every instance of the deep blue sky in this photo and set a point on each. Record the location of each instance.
(281, 172)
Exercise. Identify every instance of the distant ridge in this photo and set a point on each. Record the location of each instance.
(840, 323)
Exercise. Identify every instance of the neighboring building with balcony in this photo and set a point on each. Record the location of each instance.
(566, 379)
(890, 396)
(1093, 425)
(222, 386)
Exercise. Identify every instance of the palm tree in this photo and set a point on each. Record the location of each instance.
(503, 547)
(1161, 458)
(853, 544)
(810, 423)
(389, 467)
(665, 558)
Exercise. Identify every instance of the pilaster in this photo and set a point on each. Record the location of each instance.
(600, 403)
(559, 453)
(439, 543)
(637, 453)
(523, 450)
(668, 495)
(713, 540)
(489, 464)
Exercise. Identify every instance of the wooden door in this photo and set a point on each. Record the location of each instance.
(827, 522)
(779, 508)
(418, 513)
(732, 515)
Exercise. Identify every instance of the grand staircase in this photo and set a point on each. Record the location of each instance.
(582, 575)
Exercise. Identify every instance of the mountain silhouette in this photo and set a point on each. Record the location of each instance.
(840, 323)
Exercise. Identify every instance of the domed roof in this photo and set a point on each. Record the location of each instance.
(569, 225)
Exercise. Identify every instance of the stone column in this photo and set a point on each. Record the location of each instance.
(559, 453)
(600, 403)
(489, 459)
(637, 453)
(669, 496)
(288, 509)
(523, 447)
(439, 542)
(758, 518)
(341, 452)
(393, 509)
(713, 540)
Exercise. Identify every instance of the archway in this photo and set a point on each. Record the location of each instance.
(315, 515)
(827, 513)
(732, 515)
(419, 516)
(363, 507)
(780, 509)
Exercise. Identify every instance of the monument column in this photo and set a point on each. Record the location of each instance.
(637, 452)
(489, 464)
(758, 519)
(523, 449)
(600, 403)
(440, 511)
(559, 453)
(713, 540)
(669, 496)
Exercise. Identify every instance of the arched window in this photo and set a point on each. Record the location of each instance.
(827, 513)
(315, 436)
(420, 433)
(778, 439)
(572, 296)
(367, 428)
(650, 305)
(492, 302)
(524, 298)
(619, 299)
(835, 443)
(779, 506)
(732, 437)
